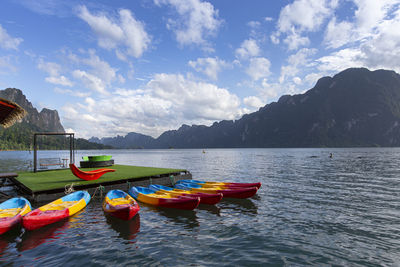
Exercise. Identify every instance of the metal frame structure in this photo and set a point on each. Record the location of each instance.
(71, 147)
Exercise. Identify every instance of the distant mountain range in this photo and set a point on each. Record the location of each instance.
(20, 135)
(356, 107)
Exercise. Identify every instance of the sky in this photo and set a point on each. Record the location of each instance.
(147, 66)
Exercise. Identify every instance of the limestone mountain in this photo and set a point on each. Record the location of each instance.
(20, 135)
(46, 120)
(356, 107)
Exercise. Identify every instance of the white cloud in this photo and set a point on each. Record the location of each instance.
(71, 92)
(61, 80)
(135, 37)
(253, 102)
(312, 78)
(196, 100)
(275, 38)
(258, 68)
(371, 13)
(90, 81)
(254, 24)
(297, 80)
(209, 66)
(127, 35)
(269, 91)
(7, 41)
(296, 62)
(249, 48)
(54, 70)
(7, 64)
(295, 40)
(372, 39)
(305, 15)
(340, 60)
(197, 21)
(166, 102)
(299, 17)
(338, 34)
(100, 67)
(95, 73)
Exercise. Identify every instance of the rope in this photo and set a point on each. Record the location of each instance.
(101, 189)
(172, 180)
(69, 190)
(95, 191)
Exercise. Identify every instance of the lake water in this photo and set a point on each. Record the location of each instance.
(311, 210)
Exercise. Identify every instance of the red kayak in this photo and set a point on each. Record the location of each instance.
(11, 212)
(225, 185)
(205, 198)
(160, 199)
(240, 192)
(57, 210)
(119, 204)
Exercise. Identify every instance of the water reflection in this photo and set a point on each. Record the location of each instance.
(9, 237)
(213, 209)
(239, 205)
(187, 218)
(45, 234)
(126, 229)
(311, 210)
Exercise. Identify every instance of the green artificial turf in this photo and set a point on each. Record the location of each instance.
(56, 179)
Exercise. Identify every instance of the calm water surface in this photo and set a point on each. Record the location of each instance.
(311, 210)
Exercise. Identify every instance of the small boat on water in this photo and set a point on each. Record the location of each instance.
(57, 210)
(11, 212)
(221, 184)
(239, 192)
(119, 204)
(161, 199)
(204, 197)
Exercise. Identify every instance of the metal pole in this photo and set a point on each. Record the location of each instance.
(70, 149)
(34, 153)
(73, 148)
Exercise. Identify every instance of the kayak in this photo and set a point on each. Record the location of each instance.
(239, 192)
(221, 184)
(57, 210)
(119, 204)
(204, 198)
(160, 199)
(11, 212)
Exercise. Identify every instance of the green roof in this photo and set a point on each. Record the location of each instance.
(58, 179)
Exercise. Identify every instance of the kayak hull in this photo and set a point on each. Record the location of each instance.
(11, 212)
(38, 218)
(56, 211)
(242, 192)
(149, 196)
(119, 204)
(221, 184)
(210, 199)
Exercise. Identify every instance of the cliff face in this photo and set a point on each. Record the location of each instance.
(131, 140)
(356, 107)
(46, 120)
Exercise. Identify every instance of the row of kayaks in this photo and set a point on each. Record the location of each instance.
(187, 194)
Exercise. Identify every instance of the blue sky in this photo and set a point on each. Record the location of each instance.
(146, 66)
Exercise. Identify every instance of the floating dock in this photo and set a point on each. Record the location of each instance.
(52, 184)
